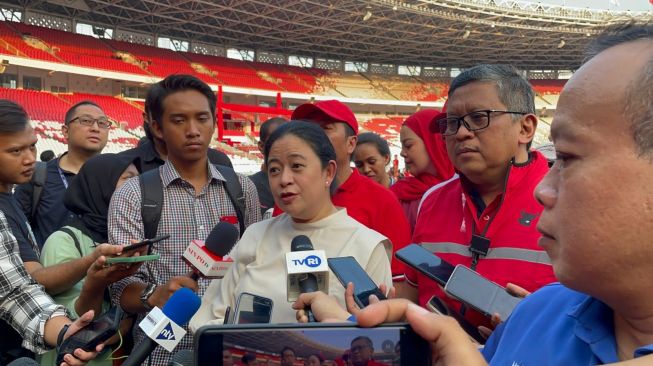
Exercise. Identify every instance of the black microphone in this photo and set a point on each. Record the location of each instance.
(308, 281)
(206, 258)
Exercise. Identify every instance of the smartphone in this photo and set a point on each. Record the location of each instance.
(252, 309)
(134, 259)
(143, 243)
(348, 270)
(480, 293)
(393, 344)
(426, 262)
(96, 332)
(437, 306)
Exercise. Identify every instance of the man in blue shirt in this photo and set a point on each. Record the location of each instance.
(597, 227)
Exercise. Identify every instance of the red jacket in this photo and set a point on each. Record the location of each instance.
(448, 214)
(376, 207)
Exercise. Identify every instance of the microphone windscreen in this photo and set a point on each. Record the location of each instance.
(181, 306)
(301, 243)
(222, 238)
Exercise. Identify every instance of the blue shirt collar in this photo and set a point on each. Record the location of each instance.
(595, 326)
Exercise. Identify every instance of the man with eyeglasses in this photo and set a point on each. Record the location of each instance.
(485, 217)
(362, 350)
(86, 130)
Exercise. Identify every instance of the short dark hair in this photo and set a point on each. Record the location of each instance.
(247, 358)
(308, 132)
(376, 140)
(71, 111)
(287, 348)
(13, 117)
(513, 89)
(363, 338)
(638, 107)
(264, 129)
(47, 155)
(172, 84)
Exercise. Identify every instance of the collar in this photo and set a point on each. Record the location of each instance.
(170, 174)
(57, 162)
(351, 182)
(148, 152)
(594, 326)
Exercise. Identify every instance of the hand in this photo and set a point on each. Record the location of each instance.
(350, 301)
(517, 291)
(450, 345)
(325, 308)
(80, 356)
(163, 292)
(106, 250)
(99, 274)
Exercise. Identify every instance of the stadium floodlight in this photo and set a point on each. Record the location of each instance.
(367, 16)
(561, 44)
(467, 33)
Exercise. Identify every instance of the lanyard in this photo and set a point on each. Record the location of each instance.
(63, 177)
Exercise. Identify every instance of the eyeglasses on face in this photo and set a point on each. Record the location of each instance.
(102, 122)
(473, 121)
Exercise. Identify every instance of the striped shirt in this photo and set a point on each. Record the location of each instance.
(23, 303)
(185, 216)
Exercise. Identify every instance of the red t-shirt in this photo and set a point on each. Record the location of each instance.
(376, 207)
(448, 215)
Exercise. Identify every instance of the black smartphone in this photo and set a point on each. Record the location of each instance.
(143, 243)
(392, 344)
(426, 262)
(96, 332)
(252, 309)
(481, 294)
(347, 269)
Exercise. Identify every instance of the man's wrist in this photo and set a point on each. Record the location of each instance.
(62, 334)
(147, 293)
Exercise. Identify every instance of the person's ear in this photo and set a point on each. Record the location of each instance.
(64, 131)
(155, 128)
(331, 170)
(351, 144)
(528, 124)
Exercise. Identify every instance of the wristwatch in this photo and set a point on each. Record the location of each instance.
(147, 292)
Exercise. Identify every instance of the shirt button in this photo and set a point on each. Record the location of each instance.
(486, 217)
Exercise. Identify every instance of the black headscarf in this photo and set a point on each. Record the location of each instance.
(89, 194)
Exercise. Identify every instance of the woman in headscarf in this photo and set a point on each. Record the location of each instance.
(88, 197)
(426, 159)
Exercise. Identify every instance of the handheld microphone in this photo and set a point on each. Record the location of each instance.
(208, 258)
(307, 270)
(164, 327)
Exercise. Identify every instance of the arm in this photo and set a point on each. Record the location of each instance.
(394, 225)
(23, 195)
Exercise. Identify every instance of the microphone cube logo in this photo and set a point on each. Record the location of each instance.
(167, 333)
(312, 261)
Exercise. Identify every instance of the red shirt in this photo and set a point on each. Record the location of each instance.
(376, 207)
(447, 214)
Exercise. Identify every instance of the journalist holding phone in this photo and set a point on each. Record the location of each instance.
(301, 167)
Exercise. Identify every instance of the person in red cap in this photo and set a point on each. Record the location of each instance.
(425, 155)
(365, 200)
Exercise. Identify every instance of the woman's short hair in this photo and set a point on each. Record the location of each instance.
(372, 138)
(310, 133)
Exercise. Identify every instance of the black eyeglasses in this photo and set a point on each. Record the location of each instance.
(472, 121)
(102, 122)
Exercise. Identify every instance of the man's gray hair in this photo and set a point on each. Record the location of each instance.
(638, 101)
(515, 92)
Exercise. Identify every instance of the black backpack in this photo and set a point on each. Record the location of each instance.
(152, 198)
(38, 182)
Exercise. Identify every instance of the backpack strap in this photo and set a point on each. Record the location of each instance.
(151, 201)
(72, 235)
(38, 182)
(235, 193)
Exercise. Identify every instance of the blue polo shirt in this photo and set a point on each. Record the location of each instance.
(556, 326)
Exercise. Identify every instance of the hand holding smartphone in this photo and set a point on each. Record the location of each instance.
(127, 255)
(89, 337)
(348, 270)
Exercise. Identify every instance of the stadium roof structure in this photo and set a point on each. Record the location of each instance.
(437, 33)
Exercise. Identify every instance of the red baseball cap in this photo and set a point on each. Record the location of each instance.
(333, 110)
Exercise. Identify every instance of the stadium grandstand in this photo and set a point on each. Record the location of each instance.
(384, 58)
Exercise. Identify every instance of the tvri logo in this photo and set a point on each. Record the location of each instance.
(310, 261)
(167, 333)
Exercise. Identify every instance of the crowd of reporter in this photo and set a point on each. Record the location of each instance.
(571, 238)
